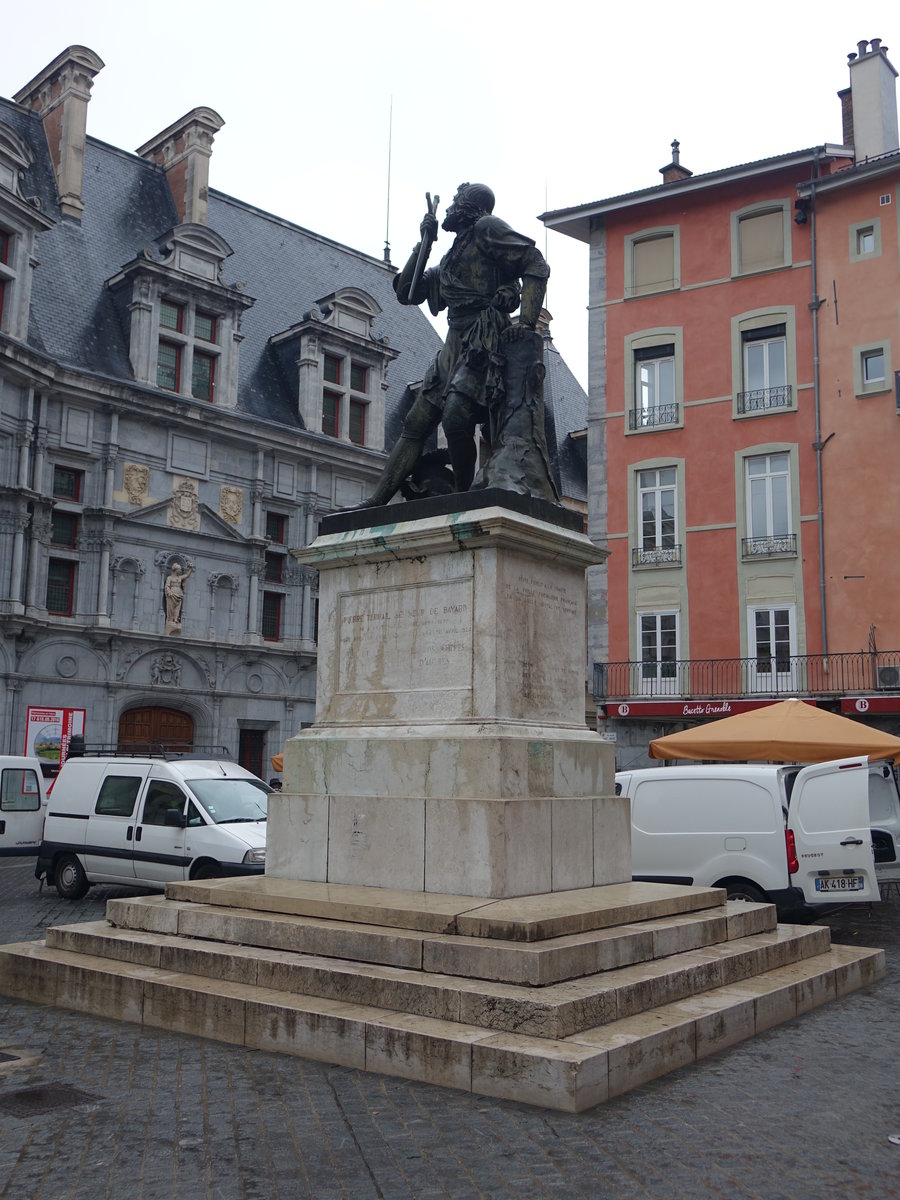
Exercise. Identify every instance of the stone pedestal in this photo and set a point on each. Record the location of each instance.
(449, 752)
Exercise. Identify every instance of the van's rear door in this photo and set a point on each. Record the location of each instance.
(829, 817)
(22, 806)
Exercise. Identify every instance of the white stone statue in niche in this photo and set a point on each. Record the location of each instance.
(174, 597)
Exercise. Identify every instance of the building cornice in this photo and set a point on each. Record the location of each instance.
(576, 221)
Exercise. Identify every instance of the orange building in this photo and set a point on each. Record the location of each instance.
(743, 426)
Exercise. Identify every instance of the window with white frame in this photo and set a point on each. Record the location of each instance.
(187, 350)
(654, 387)
(865, 239)
(873, 367)
(657, 508)
(765, 370)
(772, 635)
(761, 238)
(658, 638)
(769, 528)
(872, 370)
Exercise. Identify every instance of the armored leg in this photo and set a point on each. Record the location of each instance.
(421, 421)
(461, 417)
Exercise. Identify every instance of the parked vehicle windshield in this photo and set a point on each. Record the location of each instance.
(229, 800)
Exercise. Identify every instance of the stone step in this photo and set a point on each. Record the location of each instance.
(536, 964)
(523, 919)
(572, 1075)
(557, 1010)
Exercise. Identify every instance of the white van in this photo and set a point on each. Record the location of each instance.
(797, 837)
(148, 821)
(23, 805)
(884, 818)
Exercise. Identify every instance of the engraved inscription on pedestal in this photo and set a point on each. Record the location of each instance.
(542, 665)
(405, 641)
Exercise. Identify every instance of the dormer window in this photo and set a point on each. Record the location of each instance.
(185, 323)
(181, 327)
(343, 408)
(342, 377)
(20, 222)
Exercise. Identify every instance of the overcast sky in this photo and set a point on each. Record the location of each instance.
(551, 104)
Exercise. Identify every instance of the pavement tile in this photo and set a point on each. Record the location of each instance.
(803, 1109)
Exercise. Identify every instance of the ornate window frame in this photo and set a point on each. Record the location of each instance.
(184, 269)
(341, 327)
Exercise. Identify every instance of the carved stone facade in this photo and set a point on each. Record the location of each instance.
(146, 423)
(186, 379)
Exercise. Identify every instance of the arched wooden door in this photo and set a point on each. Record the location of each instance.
(149, 729)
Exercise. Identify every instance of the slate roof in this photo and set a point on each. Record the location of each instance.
(565, 412)
(127, 206)
(76, 321)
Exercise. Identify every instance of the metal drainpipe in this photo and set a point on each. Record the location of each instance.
(814, 305)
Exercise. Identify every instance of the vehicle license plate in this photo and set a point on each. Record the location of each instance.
(840, 883)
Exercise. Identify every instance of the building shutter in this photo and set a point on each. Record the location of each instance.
(654, 264)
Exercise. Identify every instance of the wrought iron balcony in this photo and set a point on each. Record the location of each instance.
(656, 556)
(779, 545)
(649, 418)
(733, 678)
(764, 399)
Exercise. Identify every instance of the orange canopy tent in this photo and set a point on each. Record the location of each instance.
(789, 731)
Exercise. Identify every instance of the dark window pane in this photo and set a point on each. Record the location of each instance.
(331, 413)
(250, 750)
(358, 377)
(60, 587)
(117, 795)
(274, 567)
(205, 327)
(170, 315)
(332, 369)
(271, 616)
(275, 527)
(202, 376)
(357, 423)
(66, 483)
(168, 366)
(63, 528)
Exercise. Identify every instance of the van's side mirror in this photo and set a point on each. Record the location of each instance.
(175, 818)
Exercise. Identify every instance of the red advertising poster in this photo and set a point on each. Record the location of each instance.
(48, 732)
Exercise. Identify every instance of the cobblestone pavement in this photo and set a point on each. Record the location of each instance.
(804, 1110)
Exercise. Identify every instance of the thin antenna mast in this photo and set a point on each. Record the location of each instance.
(387, 223)
(546, 247)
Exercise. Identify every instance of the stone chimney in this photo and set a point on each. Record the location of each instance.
(869, 105)
(60, 95)
(674, 172)
(183, 151)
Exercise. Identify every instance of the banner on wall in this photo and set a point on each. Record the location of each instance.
(48, 732)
